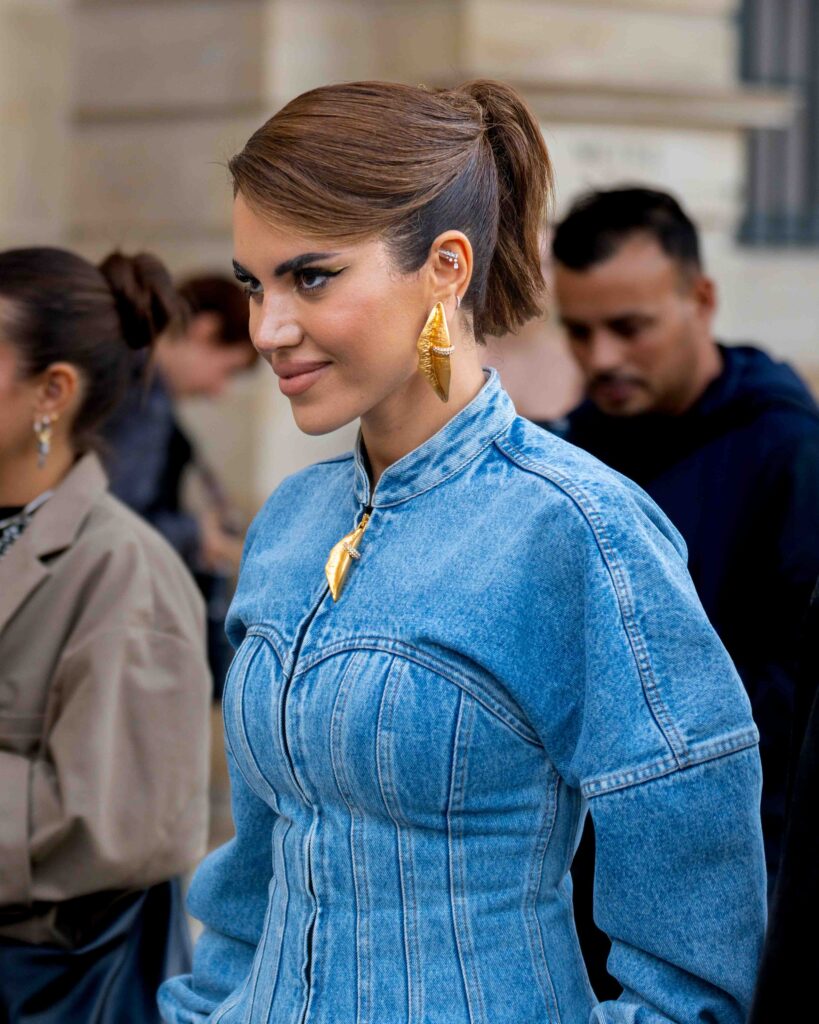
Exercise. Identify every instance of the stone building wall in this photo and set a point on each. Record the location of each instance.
(125, 124)
(35, 110)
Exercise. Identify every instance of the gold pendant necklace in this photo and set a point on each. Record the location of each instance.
(343, 555)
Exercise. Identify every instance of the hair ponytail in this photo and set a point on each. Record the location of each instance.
(514, 286)
(380, 159)
(145, 297)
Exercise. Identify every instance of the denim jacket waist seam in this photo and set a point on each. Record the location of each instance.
(478, 689)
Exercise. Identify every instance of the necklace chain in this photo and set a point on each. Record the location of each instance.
(13, 526)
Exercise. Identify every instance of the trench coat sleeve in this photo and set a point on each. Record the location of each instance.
(229, 895)
(116, 795)
(655, 730)
(117, 799)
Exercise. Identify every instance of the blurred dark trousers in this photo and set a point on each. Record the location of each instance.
(110, 979)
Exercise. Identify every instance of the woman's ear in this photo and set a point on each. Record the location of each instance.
(450, 262)
(59, 391)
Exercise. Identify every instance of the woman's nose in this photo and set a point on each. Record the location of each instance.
(275, 326)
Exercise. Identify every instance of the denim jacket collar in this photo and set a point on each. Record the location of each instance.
(458, 442)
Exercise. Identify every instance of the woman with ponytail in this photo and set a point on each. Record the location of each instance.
(457, 639)
(104, 687)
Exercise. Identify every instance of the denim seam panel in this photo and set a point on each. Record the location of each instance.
(357, 854)
(261, 951)
(457, 872)
(247, 764)
(535, 933)
(406, 865)
(280, 868)
(474, 687)
(617, 574)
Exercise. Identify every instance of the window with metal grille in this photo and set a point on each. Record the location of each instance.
(780, 47)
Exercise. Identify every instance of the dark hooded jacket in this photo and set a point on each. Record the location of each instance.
(786, 989)
(738, 475)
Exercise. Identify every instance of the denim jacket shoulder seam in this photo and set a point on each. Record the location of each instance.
(698, 754)
(616, 572)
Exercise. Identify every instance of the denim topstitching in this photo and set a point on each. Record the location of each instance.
(406, 864)
(659, 712)
(363, 941)
(476, 688)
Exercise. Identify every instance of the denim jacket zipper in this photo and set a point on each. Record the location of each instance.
(362, 524)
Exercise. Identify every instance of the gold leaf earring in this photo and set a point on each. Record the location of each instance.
(434, 350)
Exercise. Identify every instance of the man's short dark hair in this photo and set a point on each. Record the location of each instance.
(600, 222)
(218, 294)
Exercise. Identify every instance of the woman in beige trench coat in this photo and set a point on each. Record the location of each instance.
(104, 687)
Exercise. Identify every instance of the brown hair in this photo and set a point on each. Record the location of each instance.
(217, 294)
(61, 308)
(377, 158)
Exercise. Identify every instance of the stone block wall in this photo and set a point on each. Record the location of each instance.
(118, 116)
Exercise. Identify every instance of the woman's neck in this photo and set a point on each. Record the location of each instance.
(412, 415)
(22, 480)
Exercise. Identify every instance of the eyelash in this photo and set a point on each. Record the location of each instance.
(317, 272)
(252, 288)
(249, 286)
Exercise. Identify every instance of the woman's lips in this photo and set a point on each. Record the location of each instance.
(297, 379)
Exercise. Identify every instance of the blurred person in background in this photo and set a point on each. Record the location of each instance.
(104, 684)
(149, 454)
(725, 439)
(443, 636)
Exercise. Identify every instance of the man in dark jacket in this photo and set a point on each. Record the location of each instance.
(786, 988)
(725, 439)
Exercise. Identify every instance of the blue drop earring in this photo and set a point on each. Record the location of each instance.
(42, 431)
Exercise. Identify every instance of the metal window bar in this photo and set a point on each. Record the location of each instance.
(780, 47)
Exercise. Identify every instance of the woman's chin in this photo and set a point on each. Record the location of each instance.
(318, 421)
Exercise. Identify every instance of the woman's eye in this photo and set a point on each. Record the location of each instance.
(250, 286)
(311, 279)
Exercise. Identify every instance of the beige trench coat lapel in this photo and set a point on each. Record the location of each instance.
(52, 530)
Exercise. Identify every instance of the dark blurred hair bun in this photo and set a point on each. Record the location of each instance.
(147, 301)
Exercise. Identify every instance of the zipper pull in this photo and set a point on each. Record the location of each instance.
(343, 555)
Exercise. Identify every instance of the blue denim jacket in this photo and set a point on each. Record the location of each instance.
(518, 643)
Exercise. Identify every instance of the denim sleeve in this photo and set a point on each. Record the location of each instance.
(229, 895)
(655, 729)
(679, 890)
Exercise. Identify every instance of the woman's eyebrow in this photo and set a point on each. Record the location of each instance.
(302, 261)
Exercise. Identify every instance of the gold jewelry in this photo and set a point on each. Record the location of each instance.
(42, 431)
(342, 557)
(434, 350)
